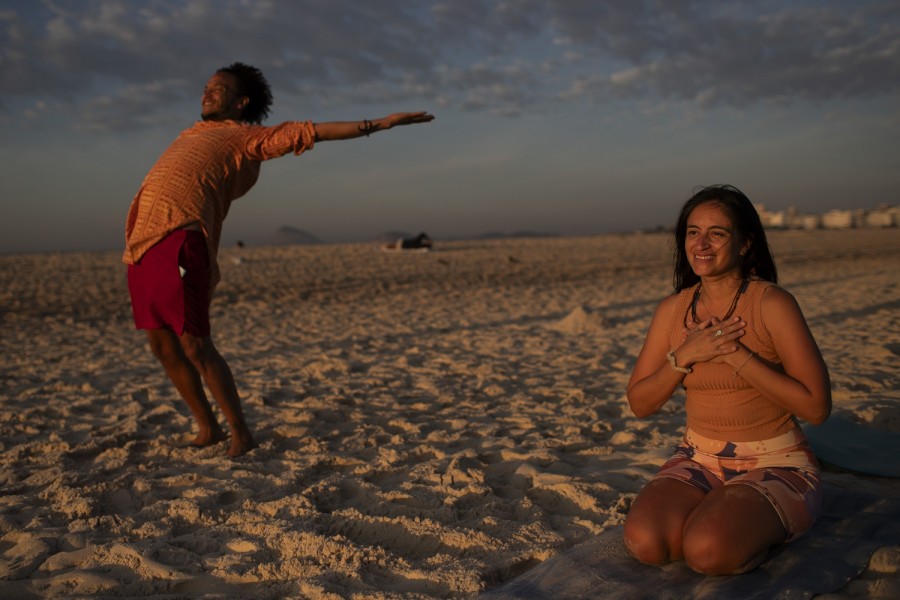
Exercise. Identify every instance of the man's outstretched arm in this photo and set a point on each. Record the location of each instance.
(347, 130)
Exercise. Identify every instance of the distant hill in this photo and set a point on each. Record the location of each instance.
(289, 236)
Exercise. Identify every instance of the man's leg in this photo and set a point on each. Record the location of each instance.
(215, 372)
(167, 349)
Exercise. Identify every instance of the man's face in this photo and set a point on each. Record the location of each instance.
(221, 100)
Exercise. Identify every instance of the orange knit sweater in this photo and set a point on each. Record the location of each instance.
(724, 407)
(206, 168)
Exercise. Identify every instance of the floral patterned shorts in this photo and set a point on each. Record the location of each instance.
(784, 469)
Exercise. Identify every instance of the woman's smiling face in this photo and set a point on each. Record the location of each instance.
(712, 244)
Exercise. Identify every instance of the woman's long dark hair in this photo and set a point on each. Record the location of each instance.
(253, 85)
(756, 262)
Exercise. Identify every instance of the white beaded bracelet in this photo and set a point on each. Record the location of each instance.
(675, 367)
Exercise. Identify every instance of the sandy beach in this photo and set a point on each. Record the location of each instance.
(430, 425)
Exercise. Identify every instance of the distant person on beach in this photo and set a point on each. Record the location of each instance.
(744, 478)
(174, 224)
(420, 242)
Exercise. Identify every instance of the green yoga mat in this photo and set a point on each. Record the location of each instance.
(855, 447)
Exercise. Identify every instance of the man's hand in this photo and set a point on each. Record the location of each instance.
(408, 118)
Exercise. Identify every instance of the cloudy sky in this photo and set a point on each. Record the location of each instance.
(566, 116)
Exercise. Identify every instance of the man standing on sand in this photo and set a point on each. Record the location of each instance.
(175, 221)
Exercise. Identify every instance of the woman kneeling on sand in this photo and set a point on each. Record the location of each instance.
(744, 478)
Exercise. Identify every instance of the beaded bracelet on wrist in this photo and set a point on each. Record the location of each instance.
(673, 361)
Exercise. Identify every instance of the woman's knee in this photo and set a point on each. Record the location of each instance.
(733, 534)
(706, 552)
(654, 524)
(709, 552)
(645, 543)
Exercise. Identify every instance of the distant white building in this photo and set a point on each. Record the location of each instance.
(796, 220)
(809, 221)
(770, 220)
(838, 219)
(883, 216)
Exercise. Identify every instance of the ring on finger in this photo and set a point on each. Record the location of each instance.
(719, 333)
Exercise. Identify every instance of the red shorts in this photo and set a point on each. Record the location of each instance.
(169, 285)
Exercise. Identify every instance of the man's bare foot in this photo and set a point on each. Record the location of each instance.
(241, 444)
(208, 437)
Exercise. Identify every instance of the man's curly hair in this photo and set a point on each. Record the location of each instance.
(254, 86)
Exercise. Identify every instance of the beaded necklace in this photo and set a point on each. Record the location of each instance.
(692, 308)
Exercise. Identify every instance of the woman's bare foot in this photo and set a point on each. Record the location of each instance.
(209, 437)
